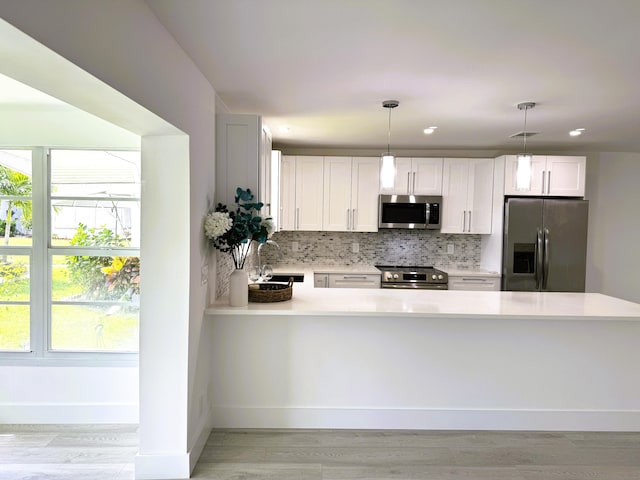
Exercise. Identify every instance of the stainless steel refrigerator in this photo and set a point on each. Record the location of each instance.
(545, 244)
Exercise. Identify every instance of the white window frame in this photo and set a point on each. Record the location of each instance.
(41, 275)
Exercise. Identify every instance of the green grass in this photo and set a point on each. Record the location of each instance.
(74, 327)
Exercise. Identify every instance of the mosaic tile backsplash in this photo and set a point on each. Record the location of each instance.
(386, 247)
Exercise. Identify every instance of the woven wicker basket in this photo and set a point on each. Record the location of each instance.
(271, 292)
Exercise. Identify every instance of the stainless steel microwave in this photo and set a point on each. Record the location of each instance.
(409, 211)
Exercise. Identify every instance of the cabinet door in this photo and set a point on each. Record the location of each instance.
(455, 179)
(238, 142)
(339, 280)
(364, 194)
(321, 280)
(403, 177)
(538, 168)
(265, 193)
(309, 193)
(426, 176)
(474, 283)
(337, 215)
(480, 195)
(566, 176)
(287, 193)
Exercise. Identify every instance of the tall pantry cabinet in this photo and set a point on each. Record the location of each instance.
(243, 159)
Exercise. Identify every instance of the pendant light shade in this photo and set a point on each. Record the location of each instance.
(388, 170)
(523, 164)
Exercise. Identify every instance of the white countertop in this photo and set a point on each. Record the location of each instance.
(308, 300)
(438, 303)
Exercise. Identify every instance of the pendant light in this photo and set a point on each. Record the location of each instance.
(388, 170)
(523, 162)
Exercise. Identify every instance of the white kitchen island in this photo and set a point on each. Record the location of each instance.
(348, 358)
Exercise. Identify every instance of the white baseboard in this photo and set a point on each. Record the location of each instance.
(427, 419)
(41, 413)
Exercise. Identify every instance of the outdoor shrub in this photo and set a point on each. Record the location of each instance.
(102, 277)
(3, 225)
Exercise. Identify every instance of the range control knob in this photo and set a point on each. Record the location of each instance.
(440, 277)
(434, 276)
(395, 276)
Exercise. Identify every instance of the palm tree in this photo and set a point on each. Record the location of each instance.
(15, 184)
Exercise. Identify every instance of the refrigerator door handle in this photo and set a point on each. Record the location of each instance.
(538, 253)
(545, 276)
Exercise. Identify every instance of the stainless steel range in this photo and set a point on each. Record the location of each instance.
(419, 278)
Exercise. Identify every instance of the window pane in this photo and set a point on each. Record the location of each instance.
(14, 328)
(94, 328)
(91, 223)
(91, 278)
(89, 189)
(14, 278)
(95, 173)
(15, 197)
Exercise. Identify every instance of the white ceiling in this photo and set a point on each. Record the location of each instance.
(323, 68)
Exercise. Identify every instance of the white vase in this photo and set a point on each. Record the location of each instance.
(239, 288)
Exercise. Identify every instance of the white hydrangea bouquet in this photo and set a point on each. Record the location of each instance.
(233, 231)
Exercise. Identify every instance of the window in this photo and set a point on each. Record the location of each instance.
(69, 263)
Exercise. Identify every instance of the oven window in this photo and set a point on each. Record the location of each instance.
(404, 213)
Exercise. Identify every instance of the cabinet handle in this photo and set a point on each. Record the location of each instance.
(549, 182)
(297, 222)
(543, 182)
(353, 219)
(348, 226)
(408, 182)
(464, 221)
(354, 277)
(413, 187)
(477, 280)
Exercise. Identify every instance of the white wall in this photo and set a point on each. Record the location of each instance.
(122, 45)
(613, 191)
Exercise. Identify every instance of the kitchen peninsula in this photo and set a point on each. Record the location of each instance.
(376, 358)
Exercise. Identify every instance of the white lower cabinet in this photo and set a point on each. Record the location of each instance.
(473, 282)
(346, 280)
(321, 280)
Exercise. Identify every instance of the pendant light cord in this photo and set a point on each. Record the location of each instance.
(525, 130)
(389, 139)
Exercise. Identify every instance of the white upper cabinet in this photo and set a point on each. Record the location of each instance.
(337, 194)
(365, 181)
(350, 194)
(558, 176)
(301, 193)
(467, 195)
(243, 156)
(416, 176)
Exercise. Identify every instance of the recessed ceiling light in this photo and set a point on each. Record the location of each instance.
(285, 128)
(576, 132)
(430, 130)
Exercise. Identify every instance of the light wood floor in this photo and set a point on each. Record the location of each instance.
(100, 452)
